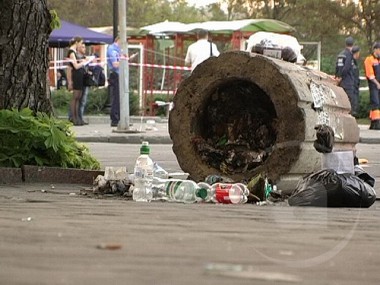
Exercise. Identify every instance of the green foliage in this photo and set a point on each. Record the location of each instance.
(55, 22)
(28, 139)
(364, 106)
(96, 102)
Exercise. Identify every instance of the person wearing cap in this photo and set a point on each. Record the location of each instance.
(201, 50)
(344, 72)
(372, 72)
(356, 55)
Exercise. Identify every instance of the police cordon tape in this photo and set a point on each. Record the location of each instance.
(173, 67)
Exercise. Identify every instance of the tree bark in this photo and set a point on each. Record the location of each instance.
(24, 34)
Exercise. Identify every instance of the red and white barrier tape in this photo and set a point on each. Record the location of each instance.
(173, 67)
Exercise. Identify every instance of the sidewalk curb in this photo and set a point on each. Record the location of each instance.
(369, 140)
(125, 139)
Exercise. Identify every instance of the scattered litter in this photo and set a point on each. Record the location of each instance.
(52, 186)
(72, 194)
(151, 125)
(28, 219)
(115, 173)
(109, 246)
(178, 175)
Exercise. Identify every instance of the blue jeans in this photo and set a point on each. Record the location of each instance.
(83, 102)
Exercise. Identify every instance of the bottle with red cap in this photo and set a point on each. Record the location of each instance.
(224, 193)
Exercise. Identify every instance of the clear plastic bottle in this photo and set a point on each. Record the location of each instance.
(143, 175)
(177, 190)
(226, 193)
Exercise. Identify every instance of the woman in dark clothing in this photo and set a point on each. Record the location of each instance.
(77, 74)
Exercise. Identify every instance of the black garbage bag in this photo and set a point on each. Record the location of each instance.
(325, 139)
(327, 188)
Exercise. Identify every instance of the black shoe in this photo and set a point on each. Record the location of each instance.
(84, 123)
(375, 125)
(114, 124)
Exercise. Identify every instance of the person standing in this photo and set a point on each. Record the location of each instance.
(372, 72)
(344, 72)
(85, 90)
(77, 74)
(113, 62)
(201, 50)
(356, 55)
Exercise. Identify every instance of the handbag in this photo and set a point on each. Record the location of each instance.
(89, 79)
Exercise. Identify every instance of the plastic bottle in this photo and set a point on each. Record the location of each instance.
(268, 189)
(143, 175)
(226, 193)
(177, 190)
(159, 172)
(215, 178)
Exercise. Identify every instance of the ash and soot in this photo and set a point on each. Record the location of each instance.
(238, 127)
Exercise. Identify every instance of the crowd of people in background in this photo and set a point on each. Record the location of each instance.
(347, 75)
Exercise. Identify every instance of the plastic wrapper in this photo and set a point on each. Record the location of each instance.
(327, 188)
(280, 46)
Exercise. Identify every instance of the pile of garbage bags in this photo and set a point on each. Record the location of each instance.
(332, 187)
(275, 45)
(327, 188)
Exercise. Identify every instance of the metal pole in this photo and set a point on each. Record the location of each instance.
(141, 83)
(115, 18)
(123, 68)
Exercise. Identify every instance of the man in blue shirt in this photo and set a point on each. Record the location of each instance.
(113, 61)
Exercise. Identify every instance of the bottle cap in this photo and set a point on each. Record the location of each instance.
(145, 149)
(202, 193)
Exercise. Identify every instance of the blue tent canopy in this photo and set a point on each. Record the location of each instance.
(62, 36)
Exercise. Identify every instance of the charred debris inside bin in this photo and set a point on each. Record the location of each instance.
(237, 127)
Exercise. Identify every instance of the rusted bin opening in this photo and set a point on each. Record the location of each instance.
(237, 127)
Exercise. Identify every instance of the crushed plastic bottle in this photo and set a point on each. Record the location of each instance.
(143, 175)
(159, 172)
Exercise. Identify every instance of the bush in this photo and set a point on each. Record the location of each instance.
(364, 105)
(28, 139)
(97, 101)
(61, 101)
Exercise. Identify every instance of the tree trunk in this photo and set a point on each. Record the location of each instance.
(24, 34)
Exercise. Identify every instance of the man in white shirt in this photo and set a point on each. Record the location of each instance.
(201, 50)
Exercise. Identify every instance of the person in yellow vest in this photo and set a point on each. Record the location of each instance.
(372, 72)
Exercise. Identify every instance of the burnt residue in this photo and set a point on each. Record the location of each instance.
(238, 127)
